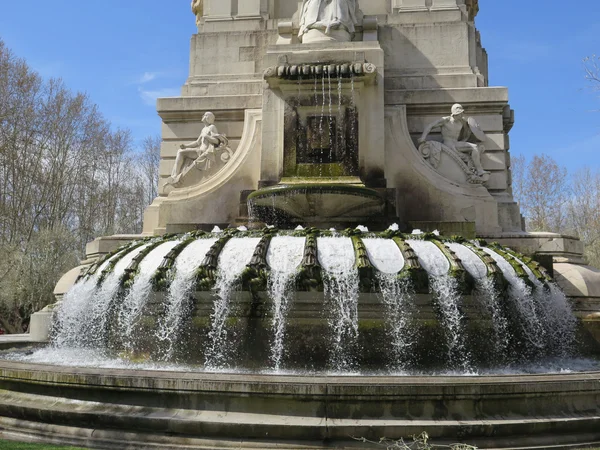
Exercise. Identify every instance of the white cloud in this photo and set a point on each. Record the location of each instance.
(148, 76)
(149, 96)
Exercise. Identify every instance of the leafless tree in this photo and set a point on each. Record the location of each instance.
(584, 211)
(150, 159)
(591, 65)
(66, 177)
(541, 187)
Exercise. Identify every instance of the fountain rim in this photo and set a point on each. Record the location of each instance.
(323, 188)
(10, 371)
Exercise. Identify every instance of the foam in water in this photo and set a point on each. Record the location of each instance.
(137, 297)
(234, 258)
(284, 257)
(385, 255)
(180, 289)
(336, 256)
(93, 318)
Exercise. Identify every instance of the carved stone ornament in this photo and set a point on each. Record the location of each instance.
(198, 10)
(208, 154)
(457, 131)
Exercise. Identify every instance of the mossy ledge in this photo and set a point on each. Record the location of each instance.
(309, 276)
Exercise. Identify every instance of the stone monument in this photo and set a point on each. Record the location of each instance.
(327, 116)
(345, 116)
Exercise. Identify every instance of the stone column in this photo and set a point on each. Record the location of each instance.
(219, 9)
(409, 5)
(249, 9)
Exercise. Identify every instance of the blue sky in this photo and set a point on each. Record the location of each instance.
(125, 53)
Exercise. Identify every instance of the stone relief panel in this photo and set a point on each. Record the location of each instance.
(458, 133)
(205, 157)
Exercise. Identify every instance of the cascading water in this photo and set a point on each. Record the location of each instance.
(341, 283)
(399, 324)
(487, 294)
(447, 296)
(397, 295)
(521, 297)
(234, 258)
(181, 288)
(86, 323)
(73, 308)
(134, 302)
(284, 257)
(556, 313)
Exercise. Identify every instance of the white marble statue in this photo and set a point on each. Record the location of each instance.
(328, 15)
(456, 131)
(201, 153)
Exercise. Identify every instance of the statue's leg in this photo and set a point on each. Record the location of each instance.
(182, 155)
(475, 151)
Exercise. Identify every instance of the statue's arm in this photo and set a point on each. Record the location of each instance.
(194, 144)
(213, 135)
(430, 127)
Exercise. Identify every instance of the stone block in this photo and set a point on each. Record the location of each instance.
(249, 9)
(494, 160)
(41, 325)
(218, 9)
(444, 4)
(410, 5)
(107, 244)
(497, 181)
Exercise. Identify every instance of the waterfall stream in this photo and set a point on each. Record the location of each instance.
(487, 295)
(234, 258)
(447, 296)
(284, 257)
(341, 283)
(139, 293)
(555, 312)
(521, 297)
(179, 291)
(86, 323)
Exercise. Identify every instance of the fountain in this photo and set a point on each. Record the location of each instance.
(321, 266)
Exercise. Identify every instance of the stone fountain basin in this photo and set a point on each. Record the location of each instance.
(330, 202)
(101, 408)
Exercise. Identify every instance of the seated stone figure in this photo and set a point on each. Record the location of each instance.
(456, 131)
(202, 152)
(328, 15)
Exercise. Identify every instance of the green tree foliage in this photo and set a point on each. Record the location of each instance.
(66, 177)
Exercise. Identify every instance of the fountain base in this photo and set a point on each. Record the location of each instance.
(157, 409)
